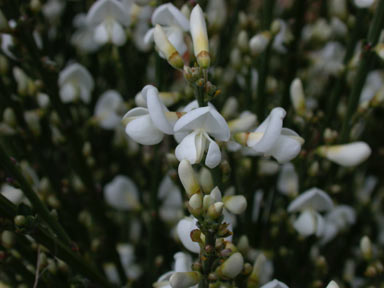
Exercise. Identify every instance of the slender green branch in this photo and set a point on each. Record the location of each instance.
(264, 62)
(28, 191)
(57, 247)
(293, 55)
(340, 82)
(364, 67)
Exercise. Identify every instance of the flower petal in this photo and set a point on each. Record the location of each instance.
(213, 157)
(169, 15)
(101, 35)
(313, 198)
(271, 128)
(143, 131)
(118, 36)
(103, 9)
(121, 193)
(184, 229)
(207, 119)
(285, 149)
(305, 224)
(157, 109)
(191, 148)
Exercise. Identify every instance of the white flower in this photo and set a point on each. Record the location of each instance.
(364, 3)
(280, 38)
(12, 194)
(199, 37)
(244, 122)
(127, 258)
(216, 13)
(309, 204)
(337, 220)
(288, 181)
(122, 194)
(259, 42)
(182, 264)
(107, 108)
(271, 139)
(173, 22)
(332, 284)
(329, 59)
(373, 89)
(148, 125)
(109, 19)
(171, 208)
(274, 284)
(184, 229)
(53, 9)
(262, 270)
(346, 155)
(195, 129)
(75, 82)
(83, 38)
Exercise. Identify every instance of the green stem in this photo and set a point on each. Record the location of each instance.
(40, 208)
(199, 94)
(57, 247)
(340, 83)
(364, 67)
(264, 61)
(293, 56)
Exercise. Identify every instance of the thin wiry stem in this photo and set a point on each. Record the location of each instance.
(364, 67)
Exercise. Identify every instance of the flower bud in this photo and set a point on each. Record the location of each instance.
(207, 201)
(332, 284)
(188, 178)
(206, 180)
(242, 40)
(3, 22)
(184, 279)
(200, 37)
(231, 267)
(195, 204)
(380, 50)
(215, 210)
(7, 239)
(243, 244)
(167, 49)
(20, 220)
(259, 42)
(297, 96)
(236, 204)
(9, 117)
(3, 65)
(346, 155)
(364, 3)
(366, 247)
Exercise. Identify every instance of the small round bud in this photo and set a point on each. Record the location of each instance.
(20, 220)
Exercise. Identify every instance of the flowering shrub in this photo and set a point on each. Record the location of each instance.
(199, 144)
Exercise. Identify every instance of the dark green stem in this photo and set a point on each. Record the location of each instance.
(293, 56)
(264, 61)
(199, 95)
(57, 247)
(13, 171)
(340, 82)
(364, 67)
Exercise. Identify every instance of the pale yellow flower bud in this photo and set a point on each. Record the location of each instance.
(231, 267)
(200, 37)
(188, 178)
(167, 49)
